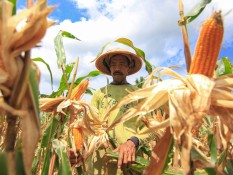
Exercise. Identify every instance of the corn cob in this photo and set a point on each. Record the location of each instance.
(208, 46)
(79, 90)
(78, 138)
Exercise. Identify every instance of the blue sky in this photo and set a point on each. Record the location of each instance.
(150, 24)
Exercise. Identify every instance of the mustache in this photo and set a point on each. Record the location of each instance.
(117, 73)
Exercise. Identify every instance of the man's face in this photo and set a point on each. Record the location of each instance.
(119, 67)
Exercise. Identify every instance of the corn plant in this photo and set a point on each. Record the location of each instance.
(20, 129)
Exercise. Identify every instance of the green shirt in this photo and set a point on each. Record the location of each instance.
(103, 99)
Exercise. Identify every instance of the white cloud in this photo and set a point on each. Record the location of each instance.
(150, 24)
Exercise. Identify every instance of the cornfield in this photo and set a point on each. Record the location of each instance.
(191, 116)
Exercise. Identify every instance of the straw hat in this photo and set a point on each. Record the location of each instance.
(102, 62)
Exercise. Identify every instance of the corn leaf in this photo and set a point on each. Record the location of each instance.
(50, 131)
(138, 51)
(38, 59)
(59, 47)
(45, 167)
(139, 165)
(210, 171)
(213, 148)
(36, 160)
(94, 73)
(196, 10)
(69, 35)
(63, 86)
(224, 67)
(19, 163)
(14, 2)
(222, 157)
(60, 50)
(64, 165)
(229, 167)
(3, 164)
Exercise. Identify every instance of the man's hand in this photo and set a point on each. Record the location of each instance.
(127, 153)
(74, 160)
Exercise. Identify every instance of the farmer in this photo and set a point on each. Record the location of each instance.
(119, 64)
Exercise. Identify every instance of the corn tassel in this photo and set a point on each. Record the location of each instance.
(208, 46)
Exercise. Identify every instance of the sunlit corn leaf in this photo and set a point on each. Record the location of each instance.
(60, 50)
(213, 148)
(59, 47)
(60, 148)
(3, 164)
(50, 131)
(160, 155)
(224, 67)
(138, 51)
(68, 35)
(196, 10)
(101, 50)
(63, 86)
(91, 74)
(38, 59)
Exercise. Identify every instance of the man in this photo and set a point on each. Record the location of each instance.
(119, 64)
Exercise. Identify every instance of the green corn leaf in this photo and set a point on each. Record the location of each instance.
(68, 70)
(36, 160)
(224, 67)
(3, 164)
(210, 171)
(14, 2)
(139, 160)
(60, 50)
(101, 50)
(62, 87)
(45, 167)
(60, 148)
(94, 73)
(222, 157)
(59, 47)
(213, 148)
(138, 51)
(68, 35)
(19, 163)
(229, 167)
(50, 131)
(38, 59)
(196, 10)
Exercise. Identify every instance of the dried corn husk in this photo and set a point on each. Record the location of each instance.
(190, 98)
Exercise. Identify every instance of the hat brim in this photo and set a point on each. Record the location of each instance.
(102, 59)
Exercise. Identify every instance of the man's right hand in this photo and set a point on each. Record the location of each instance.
(74, 160)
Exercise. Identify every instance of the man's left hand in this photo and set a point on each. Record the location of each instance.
(127, 153)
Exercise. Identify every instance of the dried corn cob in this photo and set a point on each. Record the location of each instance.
(208, 46)
(78, 138)
(79, 90)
